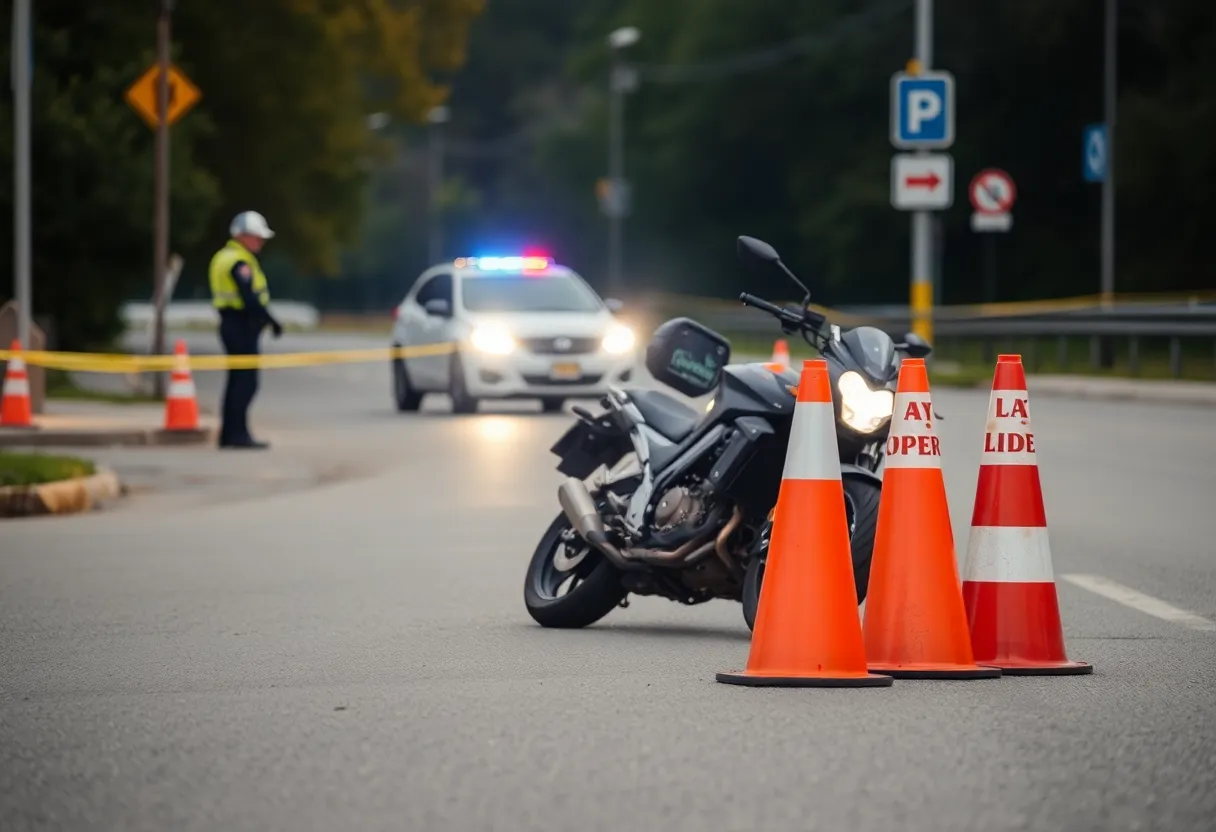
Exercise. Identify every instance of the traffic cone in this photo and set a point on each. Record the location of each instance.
(781, 354)
(807, 632)
(915, 623)
(1008, 584)
(15, 408)
(181, 402)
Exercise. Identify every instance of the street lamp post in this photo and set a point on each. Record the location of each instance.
(621, 80)
(22, 289)
(437, 117)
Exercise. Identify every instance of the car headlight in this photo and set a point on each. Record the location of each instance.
(619, 339)
(492, 339)
(862, 409)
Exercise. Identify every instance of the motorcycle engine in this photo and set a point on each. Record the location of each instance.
(678, 506)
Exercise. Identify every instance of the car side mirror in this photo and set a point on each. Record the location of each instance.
(914, 346)
(438, 307)
(614, 304)
(751, 250)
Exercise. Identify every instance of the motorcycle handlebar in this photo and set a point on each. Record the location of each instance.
(810, 320)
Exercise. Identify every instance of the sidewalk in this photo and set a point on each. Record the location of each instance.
(161, 471)
(87, 424)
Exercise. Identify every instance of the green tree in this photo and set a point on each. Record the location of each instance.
(287, 86)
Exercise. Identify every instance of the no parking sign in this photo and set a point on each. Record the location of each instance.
(992, 194)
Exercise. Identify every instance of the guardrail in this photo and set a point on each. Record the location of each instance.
(1186, 330)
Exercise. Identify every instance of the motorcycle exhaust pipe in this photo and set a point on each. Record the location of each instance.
(580, 510)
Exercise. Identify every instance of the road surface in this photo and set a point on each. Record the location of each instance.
(355, 654)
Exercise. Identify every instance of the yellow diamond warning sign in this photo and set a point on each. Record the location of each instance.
(142, 95)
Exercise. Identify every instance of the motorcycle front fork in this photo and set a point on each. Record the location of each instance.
(871, 456)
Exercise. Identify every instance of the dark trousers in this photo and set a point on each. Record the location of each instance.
(240, 335)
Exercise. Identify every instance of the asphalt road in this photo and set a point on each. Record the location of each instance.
(356, 654)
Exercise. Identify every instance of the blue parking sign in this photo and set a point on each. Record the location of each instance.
(1094, 153)
(922, 110)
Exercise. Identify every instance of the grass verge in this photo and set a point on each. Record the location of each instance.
(958, 363)
(38, 469)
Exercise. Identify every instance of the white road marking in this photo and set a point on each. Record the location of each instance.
(1139, 601)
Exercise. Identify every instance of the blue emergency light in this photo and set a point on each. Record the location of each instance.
(527, 263)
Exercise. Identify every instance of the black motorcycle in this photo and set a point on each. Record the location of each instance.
(663, 499)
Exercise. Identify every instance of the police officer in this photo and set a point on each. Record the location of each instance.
(238, 291)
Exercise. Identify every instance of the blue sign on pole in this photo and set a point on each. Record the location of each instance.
(1094, 153)
(922, 110)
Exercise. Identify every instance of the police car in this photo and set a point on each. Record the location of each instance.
(520, 327)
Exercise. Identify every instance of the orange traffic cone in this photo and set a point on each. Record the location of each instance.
(807, 632)
(915, 624)
(181, 402)
(15, 408)
(781, 354)
(1008, 585)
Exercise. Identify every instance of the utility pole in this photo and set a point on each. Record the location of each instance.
(160, 256)
(620, 81)
(1107, 352)
(437, 117)
(22, 69)
(922, 232)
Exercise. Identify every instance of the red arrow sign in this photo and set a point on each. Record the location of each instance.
(930, 180)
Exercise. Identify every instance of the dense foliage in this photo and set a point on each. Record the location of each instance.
(768, 117)
(771, 118)
(287, 86)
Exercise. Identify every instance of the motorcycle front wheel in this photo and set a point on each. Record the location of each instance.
(569, 584)
(861, 513)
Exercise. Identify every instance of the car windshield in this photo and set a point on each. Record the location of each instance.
(527, 293)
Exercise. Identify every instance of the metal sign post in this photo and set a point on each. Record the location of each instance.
(992, 194)
(922, 119)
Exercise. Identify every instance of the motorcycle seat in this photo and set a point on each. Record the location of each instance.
(666, 414)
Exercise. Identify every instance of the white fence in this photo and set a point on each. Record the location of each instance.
(192, 314)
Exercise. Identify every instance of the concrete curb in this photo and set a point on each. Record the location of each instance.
(64, 497)
(102, 437)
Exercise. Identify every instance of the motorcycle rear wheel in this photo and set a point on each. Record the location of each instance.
(563, 557)
(861, 510)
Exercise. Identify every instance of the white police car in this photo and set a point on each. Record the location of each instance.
(522, 327)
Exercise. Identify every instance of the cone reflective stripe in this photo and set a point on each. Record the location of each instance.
(15, 408)
(181, 402)
(915, 622)
(807, 631)
(1008, 580)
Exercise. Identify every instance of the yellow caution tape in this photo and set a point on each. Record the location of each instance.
(86, 362)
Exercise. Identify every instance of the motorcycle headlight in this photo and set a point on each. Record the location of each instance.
(492, 339)
(619, 339)
(862, 409)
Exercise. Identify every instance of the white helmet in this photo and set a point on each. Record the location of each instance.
(251, 223)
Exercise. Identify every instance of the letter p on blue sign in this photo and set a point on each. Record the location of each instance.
(922, 110)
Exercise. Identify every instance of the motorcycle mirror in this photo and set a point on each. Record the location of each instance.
(914, 346)
(759, 252)
(756, 251)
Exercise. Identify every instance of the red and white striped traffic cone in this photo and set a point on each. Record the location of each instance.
(181, 401)
(1008, 584)
(15, 408)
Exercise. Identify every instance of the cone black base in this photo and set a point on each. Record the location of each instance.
(943, 673)
(870, 681)
(1070, 669)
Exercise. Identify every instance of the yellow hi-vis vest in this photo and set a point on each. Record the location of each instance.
(224, 291)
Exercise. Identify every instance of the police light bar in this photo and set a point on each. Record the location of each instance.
(504, 264)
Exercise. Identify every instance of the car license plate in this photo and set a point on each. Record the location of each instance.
(565, 371)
